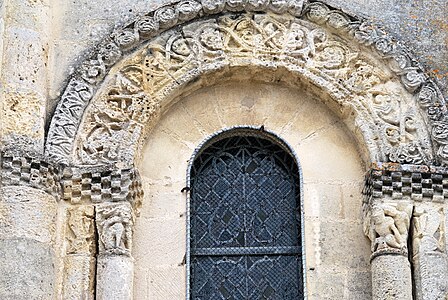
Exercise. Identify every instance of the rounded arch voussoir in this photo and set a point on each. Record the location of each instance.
(116, 95)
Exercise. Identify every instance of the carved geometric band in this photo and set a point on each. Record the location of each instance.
(29, 170)
(101, 184)
(398, 181)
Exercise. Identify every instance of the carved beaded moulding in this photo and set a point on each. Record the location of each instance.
(311, 39)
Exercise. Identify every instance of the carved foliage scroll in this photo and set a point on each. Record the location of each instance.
(132, 100)
(300, 39)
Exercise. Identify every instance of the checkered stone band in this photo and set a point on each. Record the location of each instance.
(31, 170)
(416, 182)
(97, 185)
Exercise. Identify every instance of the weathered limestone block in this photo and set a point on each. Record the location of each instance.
(24, 73)
(79, 277)
(27, 269)
(27, 236)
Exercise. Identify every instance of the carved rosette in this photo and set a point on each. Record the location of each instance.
(294, 35)
(115, 226)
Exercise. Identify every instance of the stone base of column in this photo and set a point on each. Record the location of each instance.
(430, 273)
(79, 277)
(391, 277)
(115, 274)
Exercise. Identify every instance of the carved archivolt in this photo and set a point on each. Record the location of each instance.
(363, 72)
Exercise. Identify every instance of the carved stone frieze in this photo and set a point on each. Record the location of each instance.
(301, 37)
(18, 168)
(80, 229)
(114, 223)
(102, 184)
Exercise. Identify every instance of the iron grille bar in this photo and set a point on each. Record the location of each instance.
(245, 222)
(247, 251)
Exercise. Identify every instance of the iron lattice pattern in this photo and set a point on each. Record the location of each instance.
(245, 221)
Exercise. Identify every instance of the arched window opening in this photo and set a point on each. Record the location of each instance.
(245, 221)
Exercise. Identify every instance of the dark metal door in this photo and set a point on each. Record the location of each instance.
(245, 240)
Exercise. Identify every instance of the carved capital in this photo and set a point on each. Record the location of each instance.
(28, 169)
(80, 230)
(102, 184)
(428, 230)
(392, 192)
(387, 227)
(114, 223)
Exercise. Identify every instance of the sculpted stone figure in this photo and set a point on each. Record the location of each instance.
(81, 231)
(389, 226)
(114, 223)
(428, 229)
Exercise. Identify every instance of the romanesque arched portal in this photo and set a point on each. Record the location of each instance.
(367, 78)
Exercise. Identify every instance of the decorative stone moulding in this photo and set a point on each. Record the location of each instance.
(30, 170)
(102, 184)
(414, 182)
(364, 70)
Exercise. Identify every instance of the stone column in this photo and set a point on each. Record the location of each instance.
(387, 214)
(28, 208)
(115, 269)
(111, 196)
(429, 250)
(79, 261)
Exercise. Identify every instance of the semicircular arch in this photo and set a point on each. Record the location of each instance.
(396, 111)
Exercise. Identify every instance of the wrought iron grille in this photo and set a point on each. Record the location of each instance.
(245, 235)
